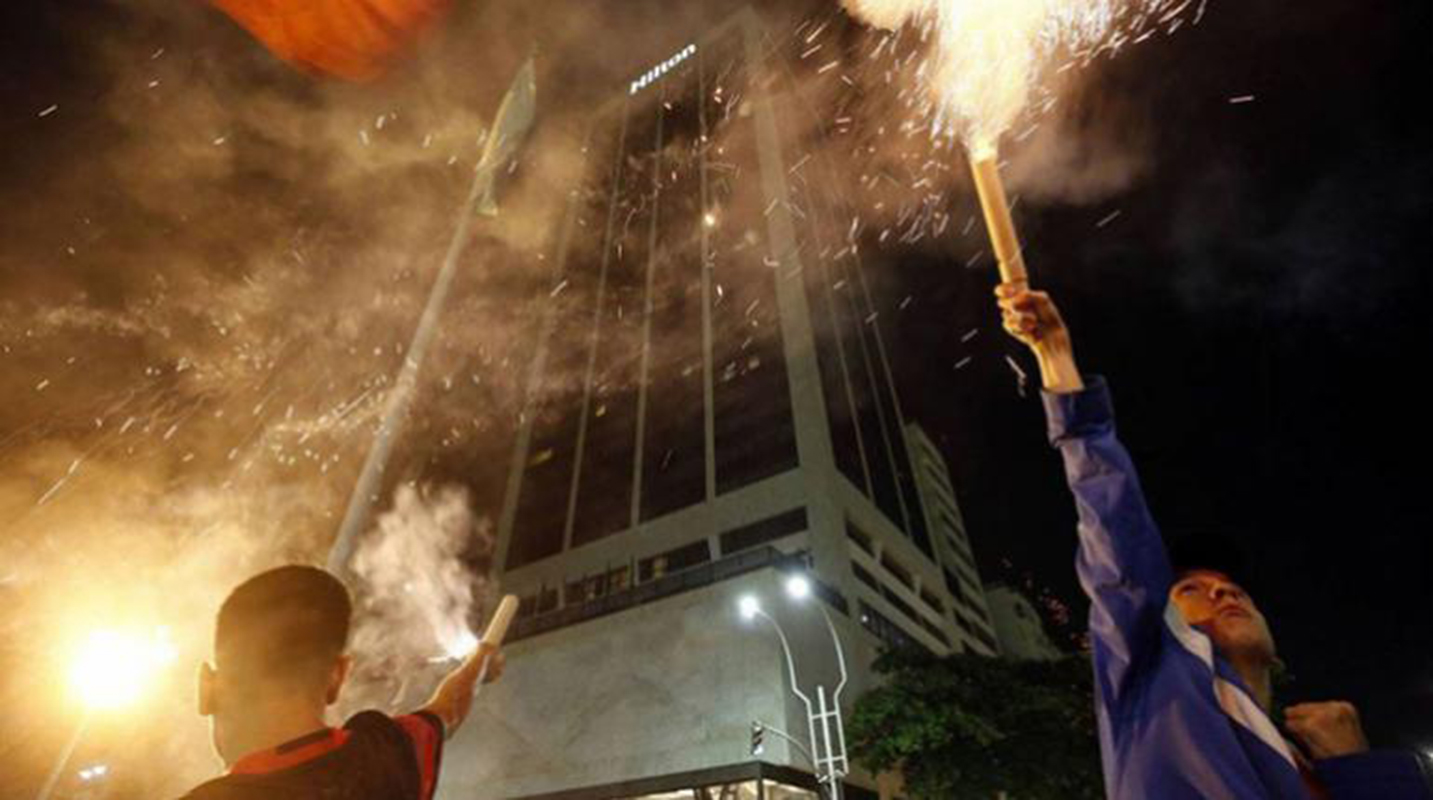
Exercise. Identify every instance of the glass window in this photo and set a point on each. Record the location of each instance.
(933, 601)
(674, 433)
(860, 537)
(604, 493)
(558, 395)
(886, 630)
(763, 531)
(744, 790)
(782, 791)
(900, 572)
(900, 604)
(546, 600)
(671, 561)
(864, 576)
(755, 435)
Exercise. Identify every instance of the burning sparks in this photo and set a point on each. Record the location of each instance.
(462, 645)
(992, 56)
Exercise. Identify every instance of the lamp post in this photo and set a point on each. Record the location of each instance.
(829, 753)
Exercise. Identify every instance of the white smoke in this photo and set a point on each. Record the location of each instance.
(416, 590)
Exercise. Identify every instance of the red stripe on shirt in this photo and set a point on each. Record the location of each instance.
(427, 736)
(291, 753)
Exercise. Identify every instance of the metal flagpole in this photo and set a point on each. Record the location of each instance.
(514, 120)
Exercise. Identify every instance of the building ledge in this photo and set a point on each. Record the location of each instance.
(666, 586)
(696, 779)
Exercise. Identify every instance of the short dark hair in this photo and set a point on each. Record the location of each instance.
(286, 626)
(1215, 551)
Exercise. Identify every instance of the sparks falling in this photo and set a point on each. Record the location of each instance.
(993, 58)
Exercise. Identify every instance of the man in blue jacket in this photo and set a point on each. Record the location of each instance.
(1183, 659)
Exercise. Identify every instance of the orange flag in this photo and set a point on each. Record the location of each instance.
(351, 39)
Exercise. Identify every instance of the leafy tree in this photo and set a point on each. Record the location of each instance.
(967, 726)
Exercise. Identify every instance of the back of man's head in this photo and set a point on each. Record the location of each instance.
(283, 631)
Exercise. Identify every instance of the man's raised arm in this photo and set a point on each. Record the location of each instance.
(1122, 562)
(454, 695)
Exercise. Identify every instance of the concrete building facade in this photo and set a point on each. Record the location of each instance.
(969, 609)
(709, 411)
(1018, 626)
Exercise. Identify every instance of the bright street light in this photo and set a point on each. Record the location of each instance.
(798, 587)
(749, 607)
(828, 752)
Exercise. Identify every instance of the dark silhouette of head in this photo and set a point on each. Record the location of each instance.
(279, 646)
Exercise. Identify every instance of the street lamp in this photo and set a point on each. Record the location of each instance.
(749, 607)
(112, 669)
(830, 759)
(798, 587)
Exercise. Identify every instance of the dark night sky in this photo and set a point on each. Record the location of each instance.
(1259, 303)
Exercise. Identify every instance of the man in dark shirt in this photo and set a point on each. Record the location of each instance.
(279, 661)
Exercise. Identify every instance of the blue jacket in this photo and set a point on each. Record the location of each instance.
(1175, 721)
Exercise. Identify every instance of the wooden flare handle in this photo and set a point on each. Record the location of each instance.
(502, 618)
(997, 215)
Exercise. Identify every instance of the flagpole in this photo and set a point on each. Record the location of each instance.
(514, 119)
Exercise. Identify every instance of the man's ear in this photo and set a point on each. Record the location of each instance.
(336, 678)
(207, 680)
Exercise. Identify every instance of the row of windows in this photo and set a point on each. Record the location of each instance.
(861, 539)
(864, 576)
(935, 632)
(885, 630)
(977, 632)
(763, 531)
(644, 267)
(616, 579)
(967, 578)
(958, 588)
(898, 571)
(620, 578)
(653, 590)
(933, 465)
(861, 407)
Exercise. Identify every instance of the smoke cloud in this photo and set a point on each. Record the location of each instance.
(417, 592)
(211, 268)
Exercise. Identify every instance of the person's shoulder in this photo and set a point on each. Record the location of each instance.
(217, 789)
(372, 722)
(376, 728)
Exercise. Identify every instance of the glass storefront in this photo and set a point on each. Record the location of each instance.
(743, 790)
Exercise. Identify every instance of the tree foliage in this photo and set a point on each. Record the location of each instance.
(967, 726)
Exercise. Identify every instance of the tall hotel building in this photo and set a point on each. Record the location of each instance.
(710, 408)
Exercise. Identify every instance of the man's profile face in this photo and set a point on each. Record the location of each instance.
(1215, 604)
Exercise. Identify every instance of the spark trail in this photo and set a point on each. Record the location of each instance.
(993, 58)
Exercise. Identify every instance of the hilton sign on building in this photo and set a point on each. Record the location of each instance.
(710, 409)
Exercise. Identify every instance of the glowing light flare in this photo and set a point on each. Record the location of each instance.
(798, 587)
(94, 773)
(992, 55)
(462, 645)
(113, 668)
(748, 606)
